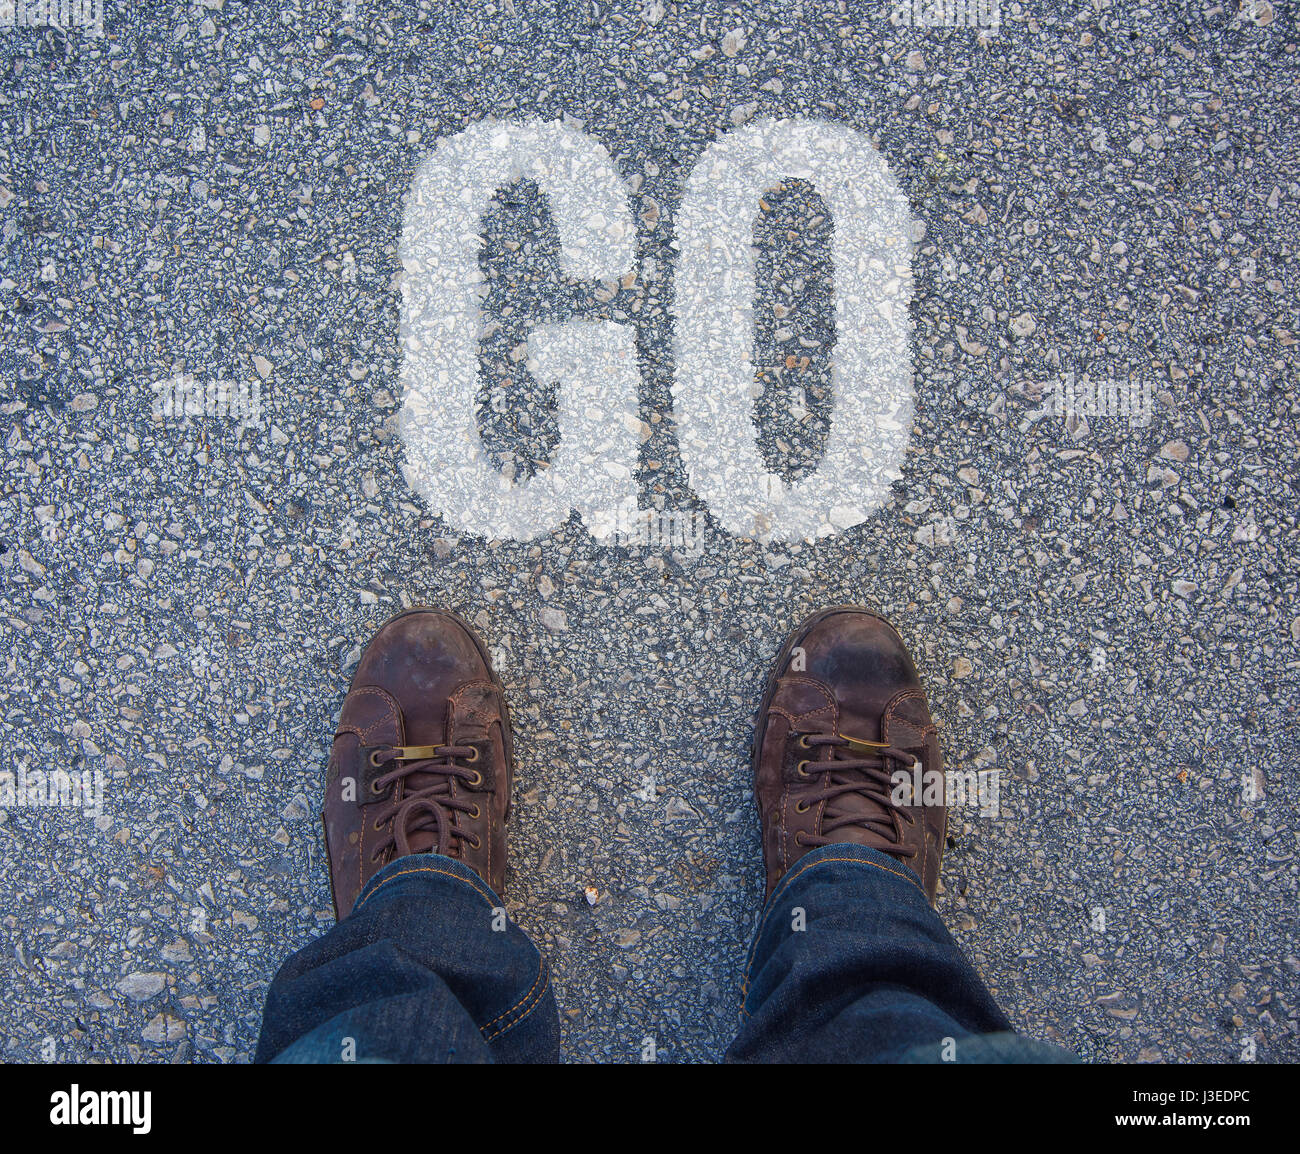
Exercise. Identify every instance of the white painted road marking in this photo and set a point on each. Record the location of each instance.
(594, 363)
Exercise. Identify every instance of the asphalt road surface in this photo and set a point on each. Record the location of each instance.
(217, 481)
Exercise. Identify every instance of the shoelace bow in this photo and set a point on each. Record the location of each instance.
(424, 808)
(869, 777)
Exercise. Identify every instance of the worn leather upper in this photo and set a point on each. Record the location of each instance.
(424, 686)
(845, 673)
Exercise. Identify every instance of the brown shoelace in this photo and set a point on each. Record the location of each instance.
(849, 779)
(427, 773)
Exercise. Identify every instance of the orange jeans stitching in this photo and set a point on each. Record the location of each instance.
(541, 972)
(424, 870)
(543, 979)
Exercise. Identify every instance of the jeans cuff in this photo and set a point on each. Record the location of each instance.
(874, 860)
(874, 865)
(427, 867)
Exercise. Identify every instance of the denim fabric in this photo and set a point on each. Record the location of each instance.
(416, 973)
(850, 964)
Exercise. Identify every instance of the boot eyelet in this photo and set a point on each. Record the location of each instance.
(375, 760)
(472, 760)
(376, 788)
(801, 771)
(476, 814)
(375, 825)
(477, 779)
(478, 844)
(798, 838)
(801, 807)
(803, 741)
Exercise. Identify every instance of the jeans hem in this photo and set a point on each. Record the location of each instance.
(442, 866)
(840, 852)
(426, 863)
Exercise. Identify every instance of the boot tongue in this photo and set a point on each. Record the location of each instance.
(433, 728)
(872, 816)
(859, 715)
(857, 721)
(422, 832)
(420, 779)
(461, 722)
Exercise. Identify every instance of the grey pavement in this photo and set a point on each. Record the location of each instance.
(1103, 606)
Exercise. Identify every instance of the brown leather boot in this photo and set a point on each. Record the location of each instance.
(842, 724)
(422, 760)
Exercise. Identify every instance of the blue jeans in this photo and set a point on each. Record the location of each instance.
(849, 964)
